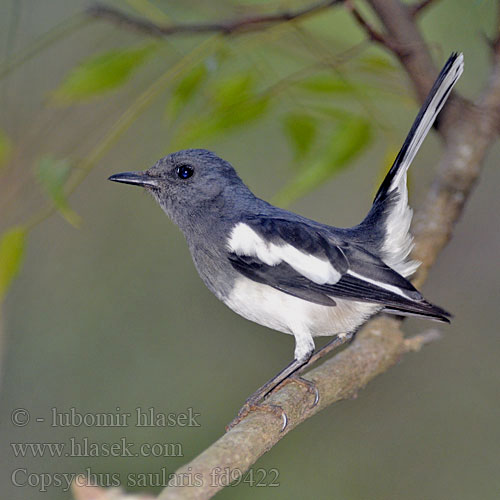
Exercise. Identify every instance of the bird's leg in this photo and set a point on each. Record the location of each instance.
(294, 377)
(304, 348)
(335, 343)
(263, 391)
(290, 374)
(253, 402)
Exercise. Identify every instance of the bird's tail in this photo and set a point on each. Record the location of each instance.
(390, 213)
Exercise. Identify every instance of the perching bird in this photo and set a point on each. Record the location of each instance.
(285, 271)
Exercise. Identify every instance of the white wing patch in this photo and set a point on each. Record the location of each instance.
(245, 241)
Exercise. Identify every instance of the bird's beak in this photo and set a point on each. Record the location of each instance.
(136, 178)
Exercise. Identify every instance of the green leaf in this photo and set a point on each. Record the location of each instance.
(241, 114)
(52, 175)
(350, 139)
(235, 104)
(185, 90)
(233, 90)
(329, 84)
(329, 112)
(12, 245)
(221, 122)
(102, 73)
(377, 64)
(386, 164)
(300, 129)
(5, 149)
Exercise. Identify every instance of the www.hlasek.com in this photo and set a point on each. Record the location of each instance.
(85, 447)
(217, 478)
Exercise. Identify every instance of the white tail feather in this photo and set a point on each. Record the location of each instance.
(398, 241)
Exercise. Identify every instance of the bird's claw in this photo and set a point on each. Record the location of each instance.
(307, 384)
(249, 407)
(252, 405)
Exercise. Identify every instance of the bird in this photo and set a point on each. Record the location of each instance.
(290, 273)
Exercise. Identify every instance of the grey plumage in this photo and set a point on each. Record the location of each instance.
(288, 272)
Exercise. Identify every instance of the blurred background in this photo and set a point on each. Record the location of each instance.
(107, 313)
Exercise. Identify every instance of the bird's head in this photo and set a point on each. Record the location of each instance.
(188, 182)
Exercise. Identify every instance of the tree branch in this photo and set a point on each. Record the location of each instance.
(372, 33)
(380, 344)
(413, 52)
(225, 27)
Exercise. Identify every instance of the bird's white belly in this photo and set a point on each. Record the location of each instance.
(283, 312)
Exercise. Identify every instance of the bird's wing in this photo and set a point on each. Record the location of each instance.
(304, 261)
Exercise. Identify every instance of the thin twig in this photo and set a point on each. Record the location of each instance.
(416, 342)
(372, 33)
(418, 7)
(225, 27)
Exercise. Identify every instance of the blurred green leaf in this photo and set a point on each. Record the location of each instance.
(329, 84)
(5, 148)
(233, 90)
(389, 156)
(12, 245)
(329, 112)
(185, 90)
(235, 104)
(350, 139)
(384, 167)
(52, 175)
(377, 64)
(222, 121)
(300, 129)
(101, 73)
(241, 113)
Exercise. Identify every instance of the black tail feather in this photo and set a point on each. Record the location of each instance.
(421, 309)
(425, 119)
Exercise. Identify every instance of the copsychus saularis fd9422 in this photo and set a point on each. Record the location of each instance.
(285, 271)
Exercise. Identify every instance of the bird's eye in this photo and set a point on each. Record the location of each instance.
(184, 171)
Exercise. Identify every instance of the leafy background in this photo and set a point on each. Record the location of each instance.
(107, 310)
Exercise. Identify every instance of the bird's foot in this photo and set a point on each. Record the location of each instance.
(310, 387)
(254, 404)
(251, 406)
